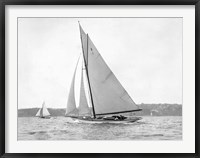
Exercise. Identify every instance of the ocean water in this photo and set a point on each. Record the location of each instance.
(63, 128)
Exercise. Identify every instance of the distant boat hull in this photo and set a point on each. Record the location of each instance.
(45, 117)
(92, 120)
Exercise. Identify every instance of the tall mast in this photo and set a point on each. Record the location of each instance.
(86, 68)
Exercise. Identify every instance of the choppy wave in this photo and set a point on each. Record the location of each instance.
(62, 128)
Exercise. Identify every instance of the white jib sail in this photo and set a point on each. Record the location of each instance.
(71, 103)
(38, 113)
(109, 96)
(83, 108)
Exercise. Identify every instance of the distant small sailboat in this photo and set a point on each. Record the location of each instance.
(106, 94)
(43, 112)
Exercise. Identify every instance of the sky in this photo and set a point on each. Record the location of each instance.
(145, 54)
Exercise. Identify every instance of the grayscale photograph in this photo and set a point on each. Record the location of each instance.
(99, 78)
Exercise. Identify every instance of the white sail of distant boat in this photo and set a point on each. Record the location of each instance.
(106, 94)
(43, 112)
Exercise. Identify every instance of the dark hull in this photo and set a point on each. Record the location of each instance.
(93, 120)
(45, 117)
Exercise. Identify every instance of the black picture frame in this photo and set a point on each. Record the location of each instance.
(4, 3)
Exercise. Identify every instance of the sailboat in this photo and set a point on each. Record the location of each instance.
(106, 99)
(43, 112)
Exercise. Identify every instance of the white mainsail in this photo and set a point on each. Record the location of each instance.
(83, 108)
(43, 111)
(109, 96)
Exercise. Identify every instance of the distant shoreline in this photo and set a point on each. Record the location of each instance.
(148, 110)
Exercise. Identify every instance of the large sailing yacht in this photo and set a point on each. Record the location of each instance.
(107, 98)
